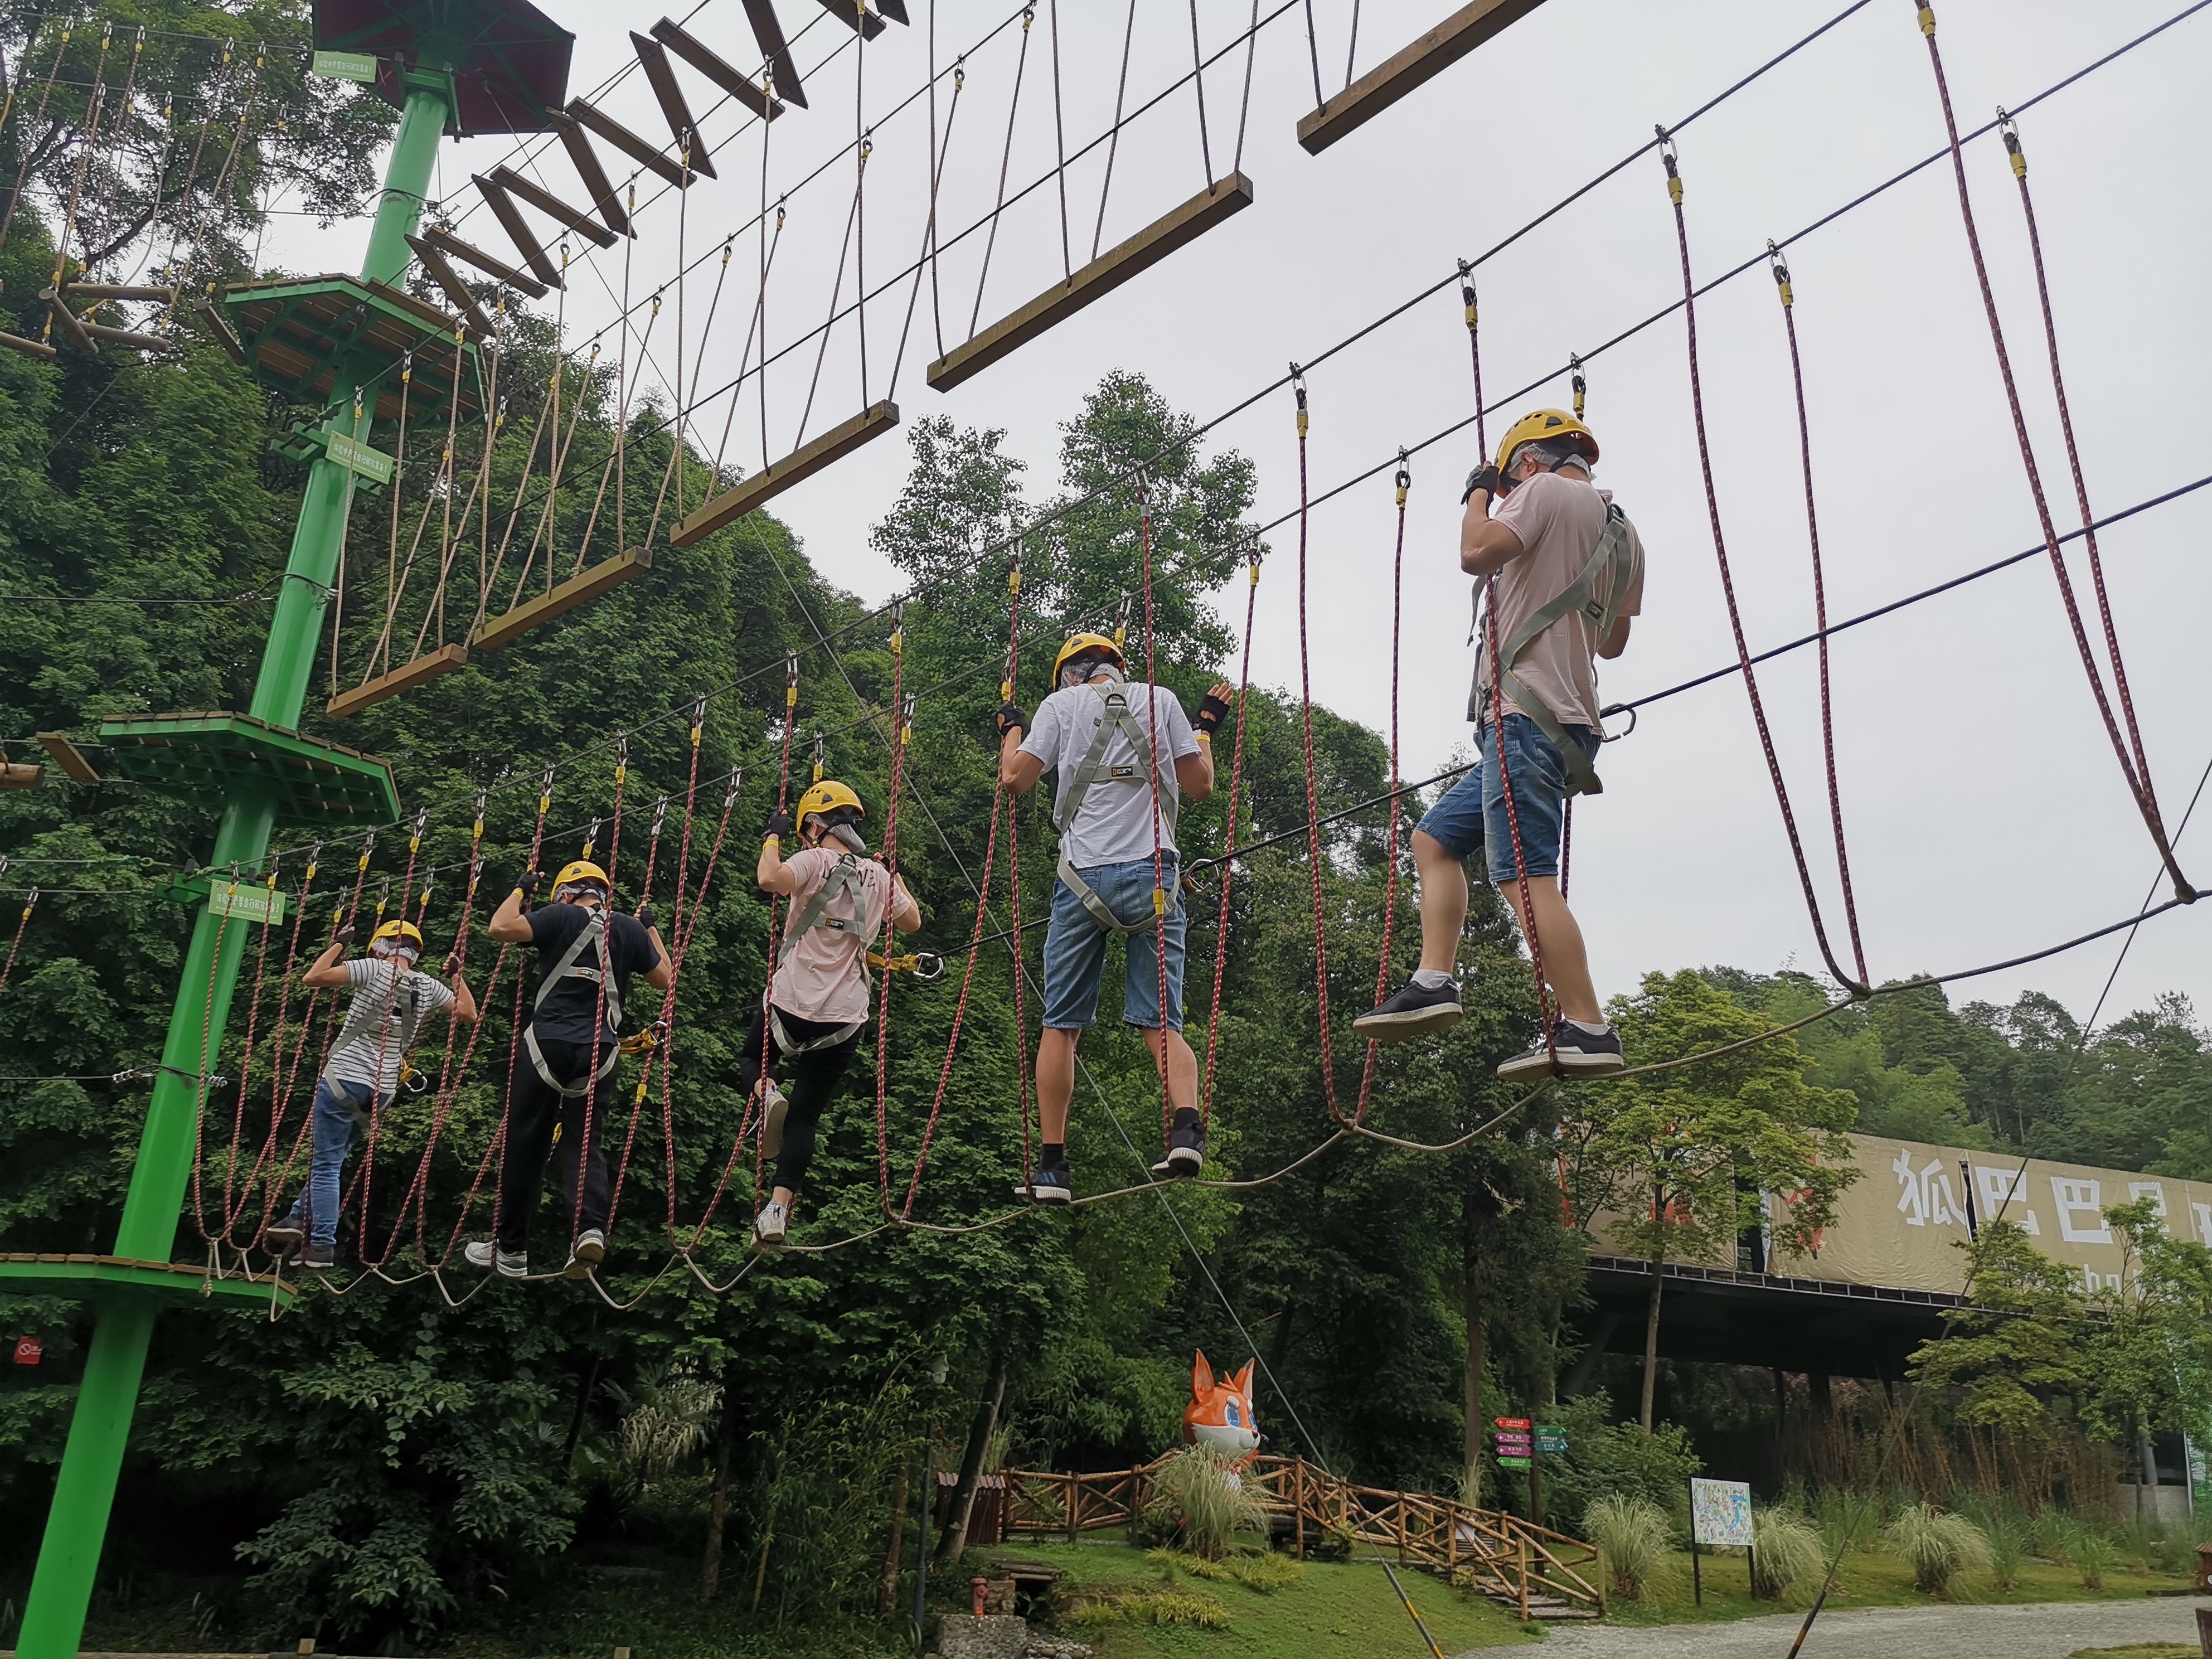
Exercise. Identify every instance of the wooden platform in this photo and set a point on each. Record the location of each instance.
(586, 586)
(405, 678)
(803, 462)
(1392, 79)
(298, 332)
(1185, 224)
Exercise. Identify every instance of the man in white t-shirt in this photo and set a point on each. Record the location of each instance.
(391, 1001)
(1566, 572)
(816, 1001)
(1126, 756)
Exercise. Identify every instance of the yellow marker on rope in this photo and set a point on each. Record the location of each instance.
(1928, 22)
(1159, 900)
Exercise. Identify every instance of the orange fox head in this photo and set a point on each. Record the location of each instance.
(1219, 1414)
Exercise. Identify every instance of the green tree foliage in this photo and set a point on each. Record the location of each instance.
(2150, 1358)
(1680, 1162)
(2019, 1341)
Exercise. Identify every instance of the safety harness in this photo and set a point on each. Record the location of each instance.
(367, 1013)
(1117, 718)
(1612, 568)
(594, 937)
(844, 878)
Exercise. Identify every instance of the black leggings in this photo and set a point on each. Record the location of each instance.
(809, 1081)
(535, 1110)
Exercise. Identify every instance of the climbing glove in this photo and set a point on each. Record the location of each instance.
(1012, 718)
(343, 936)
(779, 825)
(1214, 709)
(1483, 478)
(645, 916)
(526, 884)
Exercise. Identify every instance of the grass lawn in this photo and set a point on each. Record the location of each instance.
(1870, 1580)
(1335, 1611)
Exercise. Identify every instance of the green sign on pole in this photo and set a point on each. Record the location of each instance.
(373, 464)
(247, 901)
(345, 66)
(1513, 1462)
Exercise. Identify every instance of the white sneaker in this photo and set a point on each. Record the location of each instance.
(484, 1253)
(774, 1110)
(591, 1250)
(774, 1223)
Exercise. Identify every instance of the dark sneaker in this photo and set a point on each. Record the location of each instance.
(1581, 1054)
(1185, 1153)
(1411, 1011)
(1048, 1183)
(281, 1237)
(320, 1255)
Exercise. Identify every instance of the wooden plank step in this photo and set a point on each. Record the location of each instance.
(586, 586)
(405, 678)
(67, 757)
(1402, 73)
(834, 445)
(1184, 224)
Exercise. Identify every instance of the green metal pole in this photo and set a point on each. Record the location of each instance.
(84, 1491)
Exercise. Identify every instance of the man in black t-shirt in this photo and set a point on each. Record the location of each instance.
(566, 1052)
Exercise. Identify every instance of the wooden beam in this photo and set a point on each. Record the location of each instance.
(768, 33)
(608, 572)
(446, 242)
(834, 445)
(457, 288)
(702, 57)
(604, 202)
(552, 206)
(1101, 277)
(405, 678)
(21, 775)
(1392, 79)
(71, 324)
(124, 337)
(690, 143)
(894, 9)
(118, 291)
(37, 349)
(67, 756)
(625, 141)
(518, 232)
(855, 15)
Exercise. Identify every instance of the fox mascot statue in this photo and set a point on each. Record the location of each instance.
(1220, 1415)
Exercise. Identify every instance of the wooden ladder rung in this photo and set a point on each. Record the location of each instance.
(690, 144)
(709, 62)
(67, 756)
(405, 678)
(1392, 79)
(1185, 223)
(834, 445)
(209, 319)
(552, 206)
(586, 586)
(446, 242)
(37, 349)
(625, 141)
(21, 775)
(118, 291)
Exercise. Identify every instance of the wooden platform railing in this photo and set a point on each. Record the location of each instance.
(1511, 1560)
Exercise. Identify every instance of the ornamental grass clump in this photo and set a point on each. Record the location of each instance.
(1204, 1494)
(1151, 1607)
(1787, 1560)
(1939, 1547)
(2094, 1552)
(1638, 1542)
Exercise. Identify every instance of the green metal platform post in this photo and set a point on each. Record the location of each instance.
(76, 1525)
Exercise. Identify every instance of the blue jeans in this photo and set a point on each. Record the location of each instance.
(1471, 817)
(336, 1125)
(1075, 949)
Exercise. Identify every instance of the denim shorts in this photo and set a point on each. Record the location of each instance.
(1075, 949)
(1471, 817)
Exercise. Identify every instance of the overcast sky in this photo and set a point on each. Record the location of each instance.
(1986, 814)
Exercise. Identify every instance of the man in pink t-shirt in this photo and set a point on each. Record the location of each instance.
(816, 1002)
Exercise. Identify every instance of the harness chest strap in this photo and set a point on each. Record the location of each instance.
(844, 876)
(593, 936)
(1615, 556)
(1117, 718)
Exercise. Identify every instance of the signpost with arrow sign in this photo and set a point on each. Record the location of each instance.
(1520, 1443)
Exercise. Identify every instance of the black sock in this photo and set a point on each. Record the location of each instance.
(1053, 1155)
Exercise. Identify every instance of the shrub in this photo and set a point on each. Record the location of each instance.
(1266, 1571)
(2009, 1528)
(1940, 1547)
(1152, 1606)
(1196, 1565)
(1787, 1560)
(1852, 1522)
(1637, 1541)
(1205, 1495)
(2094, 1552)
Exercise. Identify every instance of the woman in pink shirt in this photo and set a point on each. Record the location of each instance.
(817, 1002)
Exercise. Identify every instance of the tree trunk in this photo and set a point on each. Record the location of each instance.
(1479, 1209)
(887, 1601)
(710, 1573)
(980, 1429)
(1651, 1341)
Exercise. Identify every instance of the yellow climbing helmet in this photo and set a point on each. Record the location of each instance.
(1079, 643)
(405, 932)
(582, 870)
(828, 796)
(1550, 426)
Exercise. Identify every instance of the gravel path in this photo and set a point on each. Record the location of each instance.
(2035, 1631)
